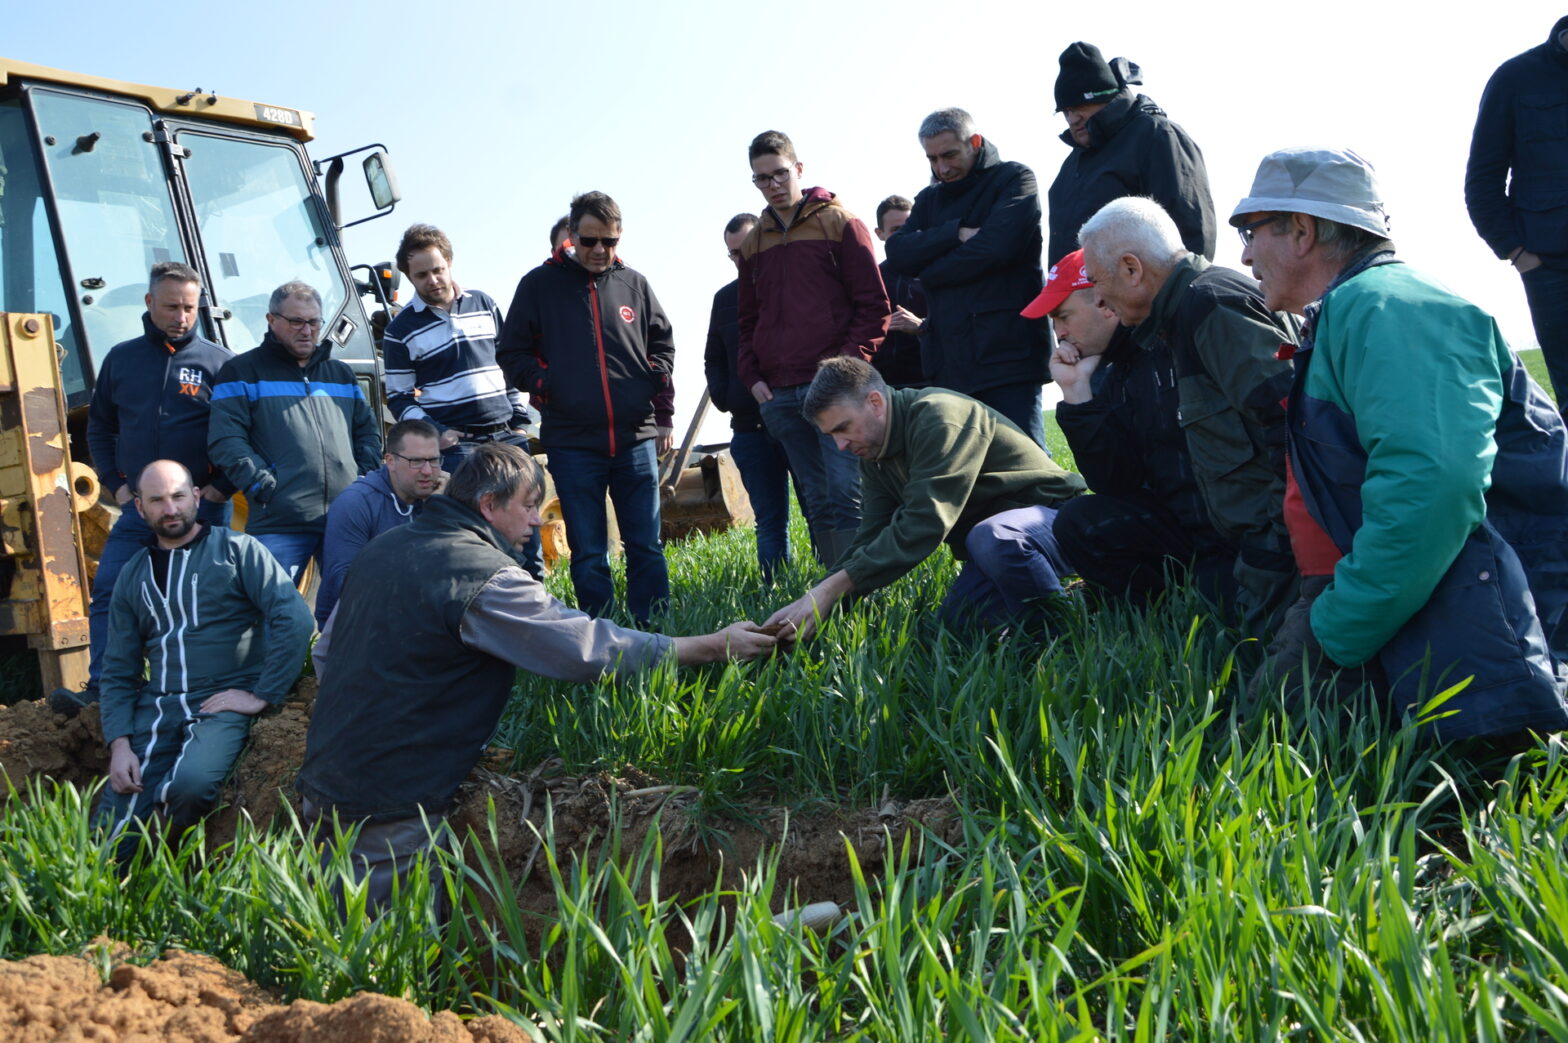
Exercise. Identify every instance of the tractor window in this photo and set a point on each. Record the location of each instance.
(114, 205)
(260, 227)
(30, 275)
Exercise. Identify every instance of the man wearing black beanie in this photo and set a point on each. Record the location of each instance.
(1122, 145)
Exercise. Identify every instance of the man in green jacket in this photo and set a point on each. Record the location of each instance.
(205, 632)
(938, 466)
(1231, 384)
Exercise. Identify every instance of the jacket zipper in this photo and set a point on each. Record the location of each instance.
(604, 370)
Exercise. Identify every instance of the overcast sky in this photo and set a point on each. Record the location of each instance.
(496, 114)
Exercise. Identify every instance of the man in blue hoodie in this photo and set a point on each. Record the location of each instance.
(385, 498)
(150, 401)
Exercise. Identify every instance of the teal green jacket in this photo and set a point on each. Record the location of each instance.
(948, 463)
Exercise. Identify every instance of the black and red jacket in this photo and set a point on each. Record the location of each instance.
(594, 352)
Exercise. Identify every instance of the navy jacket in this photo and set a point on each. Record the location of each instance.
(594, 352)
(721, 362)
(898, 359)
(975, 339)
(1516, 183)
(361, 512)
(151, 402)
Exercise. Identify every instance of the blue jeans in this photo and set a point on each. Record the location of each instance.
(1013, 561)
(1547, 291)
(292, 549)
(129, 535)
(631, 477)
(531, 554)
(827, 478)
(1019, 403)
(764, 470)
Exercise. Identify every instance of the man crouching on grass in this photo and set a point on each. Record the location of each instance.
(938, 466)
(420, 655)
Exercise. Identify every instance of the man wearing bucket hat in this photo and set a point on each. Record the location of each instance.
(1147, 520)
(1428, 496)
(1230, 385)
(1122, 145)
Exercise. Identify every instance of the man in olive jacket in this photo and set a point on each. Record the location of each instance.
(938, 466)
(973, 240)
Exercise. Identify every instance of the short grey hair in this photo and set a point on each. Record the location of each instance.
(956, 120)
(1134, 225)
(296, 288)
(1343, 242)
(495, 469)
(178, 271)
(840, 378)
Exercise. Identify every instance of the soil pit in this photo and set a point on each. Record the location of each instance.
(700, 853)
(191, 998)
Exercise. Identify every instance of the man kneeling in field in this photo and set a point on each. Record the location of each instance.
(420, 655)
(936, 465)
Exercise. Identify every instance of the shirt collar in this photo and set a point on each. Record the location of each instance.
(419, 303)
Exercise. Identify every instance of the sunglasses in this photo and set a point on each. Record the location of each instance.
(591, 241)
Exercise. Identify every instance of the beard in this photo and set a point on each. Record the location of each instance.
(177, 527)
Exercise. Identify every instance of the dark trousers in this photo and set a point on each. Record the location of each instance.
(1131, 548)
(1547, 291)
(827, 478)
(383, 853)
(631, 477)
(1013, 563)
(1296, 668)
(129, 535)
(531, 554)
(1019, 403)
(764, 470)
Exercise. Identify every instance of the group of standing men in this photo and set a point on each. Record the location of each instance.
(1388, 504)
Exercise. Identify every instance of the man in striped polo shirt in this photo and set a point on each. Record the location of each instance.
(440, 362)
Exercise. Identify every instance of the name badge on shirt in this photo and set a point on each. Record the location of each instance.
(478, 326)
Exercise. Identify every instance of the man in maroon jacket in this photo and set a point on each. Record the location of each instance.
(809, 290)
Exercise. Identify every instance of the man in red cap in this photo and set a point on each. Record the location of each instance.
(1147, 521)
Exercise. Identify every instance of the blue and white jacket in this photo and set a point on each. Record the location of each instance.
(449, 357)
(290, 437)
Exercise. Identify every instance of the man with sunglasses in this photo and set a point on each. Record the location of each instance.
(1230, 380)
(387, 497)
(291, 428)
(590, 343)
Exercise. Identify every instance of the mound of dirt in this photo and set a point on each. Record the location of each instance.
(35, 741)
(192, 998)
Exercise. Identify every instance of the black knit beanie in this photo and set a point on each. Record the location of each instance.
(1085, 77)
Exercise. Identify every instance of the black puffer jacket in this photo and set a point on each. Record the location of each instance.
(974, 338)
(1134, 150)
(721, 362)
(594, 352)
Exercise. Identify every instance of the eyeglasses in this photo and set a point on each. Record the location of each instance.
(300, 324)
(418, 463)
(1249, 232)
(591, 241)
(778, 177)
(734, 255)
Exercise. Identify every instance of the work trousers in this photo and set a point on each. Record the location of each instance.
(1013, 564)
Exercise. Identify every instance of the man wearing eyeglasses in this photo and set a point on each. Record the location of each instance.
(1230, 380)
(387, 497)
(588, 340)
(291, 428)
(809, 290)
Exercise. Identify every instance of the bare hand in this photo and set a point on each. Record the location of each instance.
(212, 495)
(1526, 262)
(966, 234)
(761, 392)
(904, 321)
(802, 614)
(125, 771)
(450, 437)
(441, 480)
(744, 640)
(123, 495)
(236, 699)
(1071, 371)
(664, 440)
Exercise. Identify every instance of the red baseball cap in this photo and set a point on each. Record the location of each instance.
(1064, 279)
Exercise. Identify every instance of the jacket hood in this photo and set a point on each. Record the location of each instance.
(567, 260)
(1558, 51)
(1108, 122)
(160, 338)
(812, 200)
